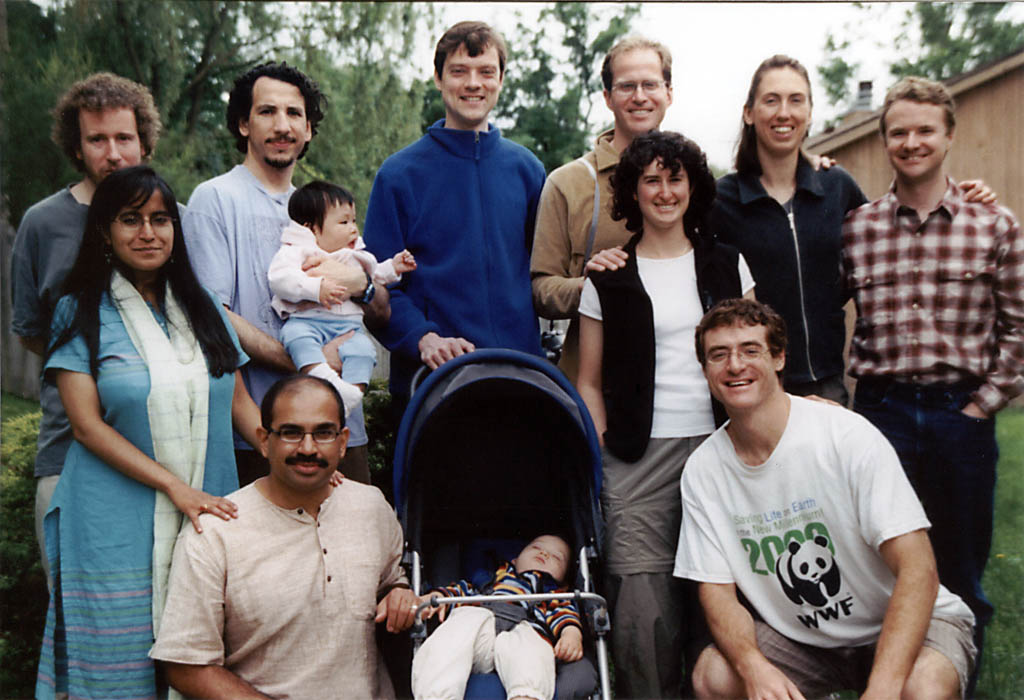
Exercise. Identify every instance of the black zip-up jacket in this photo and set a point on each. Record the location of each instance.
(795, 267)
(627, 372)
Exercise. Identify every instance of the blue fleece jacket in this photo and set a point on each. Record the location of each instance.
(464, 203)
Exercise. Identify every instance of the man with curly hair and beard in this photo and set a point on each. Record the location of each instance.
(233, 228)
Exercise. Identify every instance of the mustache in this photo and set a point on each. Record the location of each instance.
(306, 459)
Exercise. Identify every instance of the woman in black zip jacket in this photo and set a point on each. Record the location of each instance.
(641, 381)
(786, 216)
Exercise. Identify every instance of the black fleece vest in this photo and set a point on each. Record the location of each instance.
(627, 366)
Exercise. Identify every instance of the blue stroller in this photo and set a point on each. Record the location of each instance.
(495, 447)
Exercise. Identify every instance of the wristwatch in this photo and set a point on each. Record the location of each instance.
(370, 290)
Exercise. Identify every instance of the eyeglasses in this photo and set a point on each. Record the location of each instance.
(133, 221)
(746, 353)
(628, 88)
(292, 434)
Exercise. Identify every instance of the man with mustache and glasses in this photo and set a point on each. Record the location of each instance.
(283, 602)
(233, 228)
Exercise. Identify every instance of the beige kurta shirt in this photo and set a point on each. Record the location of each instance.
(564, 215)
(286, 601)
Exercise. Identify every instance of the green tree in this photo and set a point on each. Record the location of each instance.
(432, 107)
(548, 94)
(351, 48)
(955, 37)
(836, 72)
(29, 87)
(936, 40)
(201, 46)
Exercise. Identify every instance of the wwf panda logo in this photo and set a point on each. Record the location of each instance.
(807, 572)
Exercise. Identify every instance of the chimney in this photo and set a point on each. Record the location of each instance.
(863, 101)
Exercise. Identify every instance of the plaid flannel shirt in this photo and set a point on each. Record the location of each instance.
(940, 301)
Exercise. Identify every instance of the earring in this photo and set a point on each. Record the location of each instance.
(107, 256)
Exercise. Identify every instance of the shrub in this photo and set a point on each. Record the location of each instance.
(381, 427)
(23, 596)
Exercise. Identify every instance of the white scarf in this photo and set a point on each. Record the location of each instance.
(178, 407)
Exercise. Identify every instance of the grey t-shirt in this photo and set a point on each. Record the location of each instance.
(44, 249)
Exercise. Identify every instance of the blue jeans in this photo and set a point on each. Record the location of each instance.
(950, 459)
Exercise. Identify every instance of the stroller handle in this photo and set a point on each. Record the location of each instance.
(417, 378)
(437, 601)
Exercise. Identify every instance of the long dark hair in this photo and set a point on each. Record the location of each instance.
(90, 275)
(747, 161)
(675, 151)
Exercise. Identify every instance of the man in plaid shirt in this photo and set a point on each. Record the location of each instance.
(938, 346)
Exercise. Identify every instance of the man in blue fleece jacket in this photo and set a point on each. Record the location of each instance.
(463, 200)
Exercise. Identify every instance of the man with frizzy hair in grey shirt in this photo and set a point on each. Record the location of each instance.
(102, 123)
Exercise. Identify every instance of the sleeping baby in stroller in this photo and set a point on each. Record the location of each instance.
(519, 640)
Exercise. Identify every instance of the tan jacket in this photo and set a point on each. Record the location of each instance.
(560, 239)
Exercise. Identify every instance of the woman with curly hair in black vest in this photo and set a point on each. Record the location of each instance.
(641, 381)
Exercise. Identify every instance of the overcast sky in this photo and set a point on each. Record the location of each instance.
(716, 46)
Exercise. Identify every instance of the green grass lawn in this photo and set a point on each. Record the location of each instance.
(1002, 672)
(1002, 676)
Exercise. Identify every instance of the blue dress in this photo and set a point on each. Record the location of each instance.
(99, 529)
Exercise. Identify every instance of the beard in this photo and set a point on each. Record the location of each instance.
(279, 163)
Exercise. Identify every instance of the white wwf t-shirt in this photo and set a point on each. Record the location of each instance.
(799, 535)
(682, 403)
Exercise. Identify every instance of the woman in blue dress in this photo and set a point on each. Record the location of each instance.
(146, 365)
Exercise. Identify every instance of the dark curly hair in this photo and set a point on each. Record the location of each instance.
(240, 100)
(673, 151)
(99, 92)
(90, 274)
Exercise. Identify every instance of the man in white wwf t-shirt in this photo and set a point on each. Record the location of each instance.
(803, 507)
